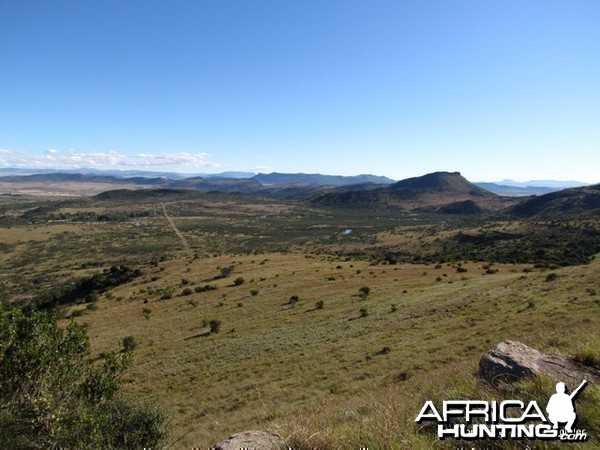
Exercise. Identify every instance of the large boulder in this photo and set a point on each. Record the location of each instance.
(252, 440)
(513, 361)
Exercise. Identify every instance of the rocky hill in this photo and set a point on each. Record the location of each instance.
(447, 192)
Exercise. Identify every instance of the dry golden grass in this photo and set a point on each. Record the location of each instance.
(304, 370)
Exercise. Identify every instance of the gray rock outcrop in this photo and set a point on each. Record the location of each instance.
(252, 440)
(513, 361)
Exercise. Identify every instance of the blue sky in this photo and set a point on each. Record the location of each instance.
(493, 89)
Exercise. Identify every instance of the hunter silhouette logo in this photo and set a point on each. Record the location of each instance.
(509, 419)
(560, 407)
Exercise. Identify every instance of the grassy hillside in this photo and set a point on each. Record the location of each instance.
(280, 363)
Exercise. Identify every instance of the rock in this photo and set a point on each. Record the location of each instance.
(513, 361)
(252, 440)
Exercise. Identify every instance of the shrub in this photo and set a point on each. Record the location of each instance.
(225, 272)
(394, 307)
(253, 292)
(238, 281)
(129, 344)
(205, 288)
(187, 291)
(364, 312)
(551, 276)
(320, 304)
(215, 326)
(461, 269)
(364, 291)
(53, 396)
(294, 299)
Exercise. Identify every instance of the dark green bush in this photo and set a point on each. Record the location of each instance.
(215, 326)
(206, 288)
(551, 276)
(86, 289)
(53, 396)
(129, 344)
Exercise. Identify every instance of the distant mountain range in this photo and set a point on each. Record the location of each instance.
(505, 187)
(124, 173)
(441, 192)
(517, 191)
(318, 179)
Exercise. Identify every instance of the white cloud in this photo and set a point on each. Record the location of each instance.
(73, 159)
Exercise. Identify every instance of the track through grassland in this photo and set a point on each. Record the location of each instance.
(181, 237)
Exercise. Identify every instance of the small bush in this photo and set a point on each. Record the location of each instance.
(238, 281)
(365, 291)
(253, 292)
(320, 304)
(215, 326)
(294, 299)
(187, 291)
(205, 288)
(551, 276)
(129, 344)
(364, 312)
(225, 272)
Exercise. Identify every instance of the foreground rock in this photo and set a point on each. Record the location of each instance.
(252, 440)
(513, 361)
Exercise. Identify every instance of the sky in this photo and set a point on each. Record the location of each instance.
(492, 89)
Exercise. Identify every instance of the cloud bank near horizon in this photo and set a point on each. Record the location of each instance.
(73, 159)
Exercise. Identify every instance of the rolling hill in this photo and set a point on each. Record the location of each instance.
(568, 202)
